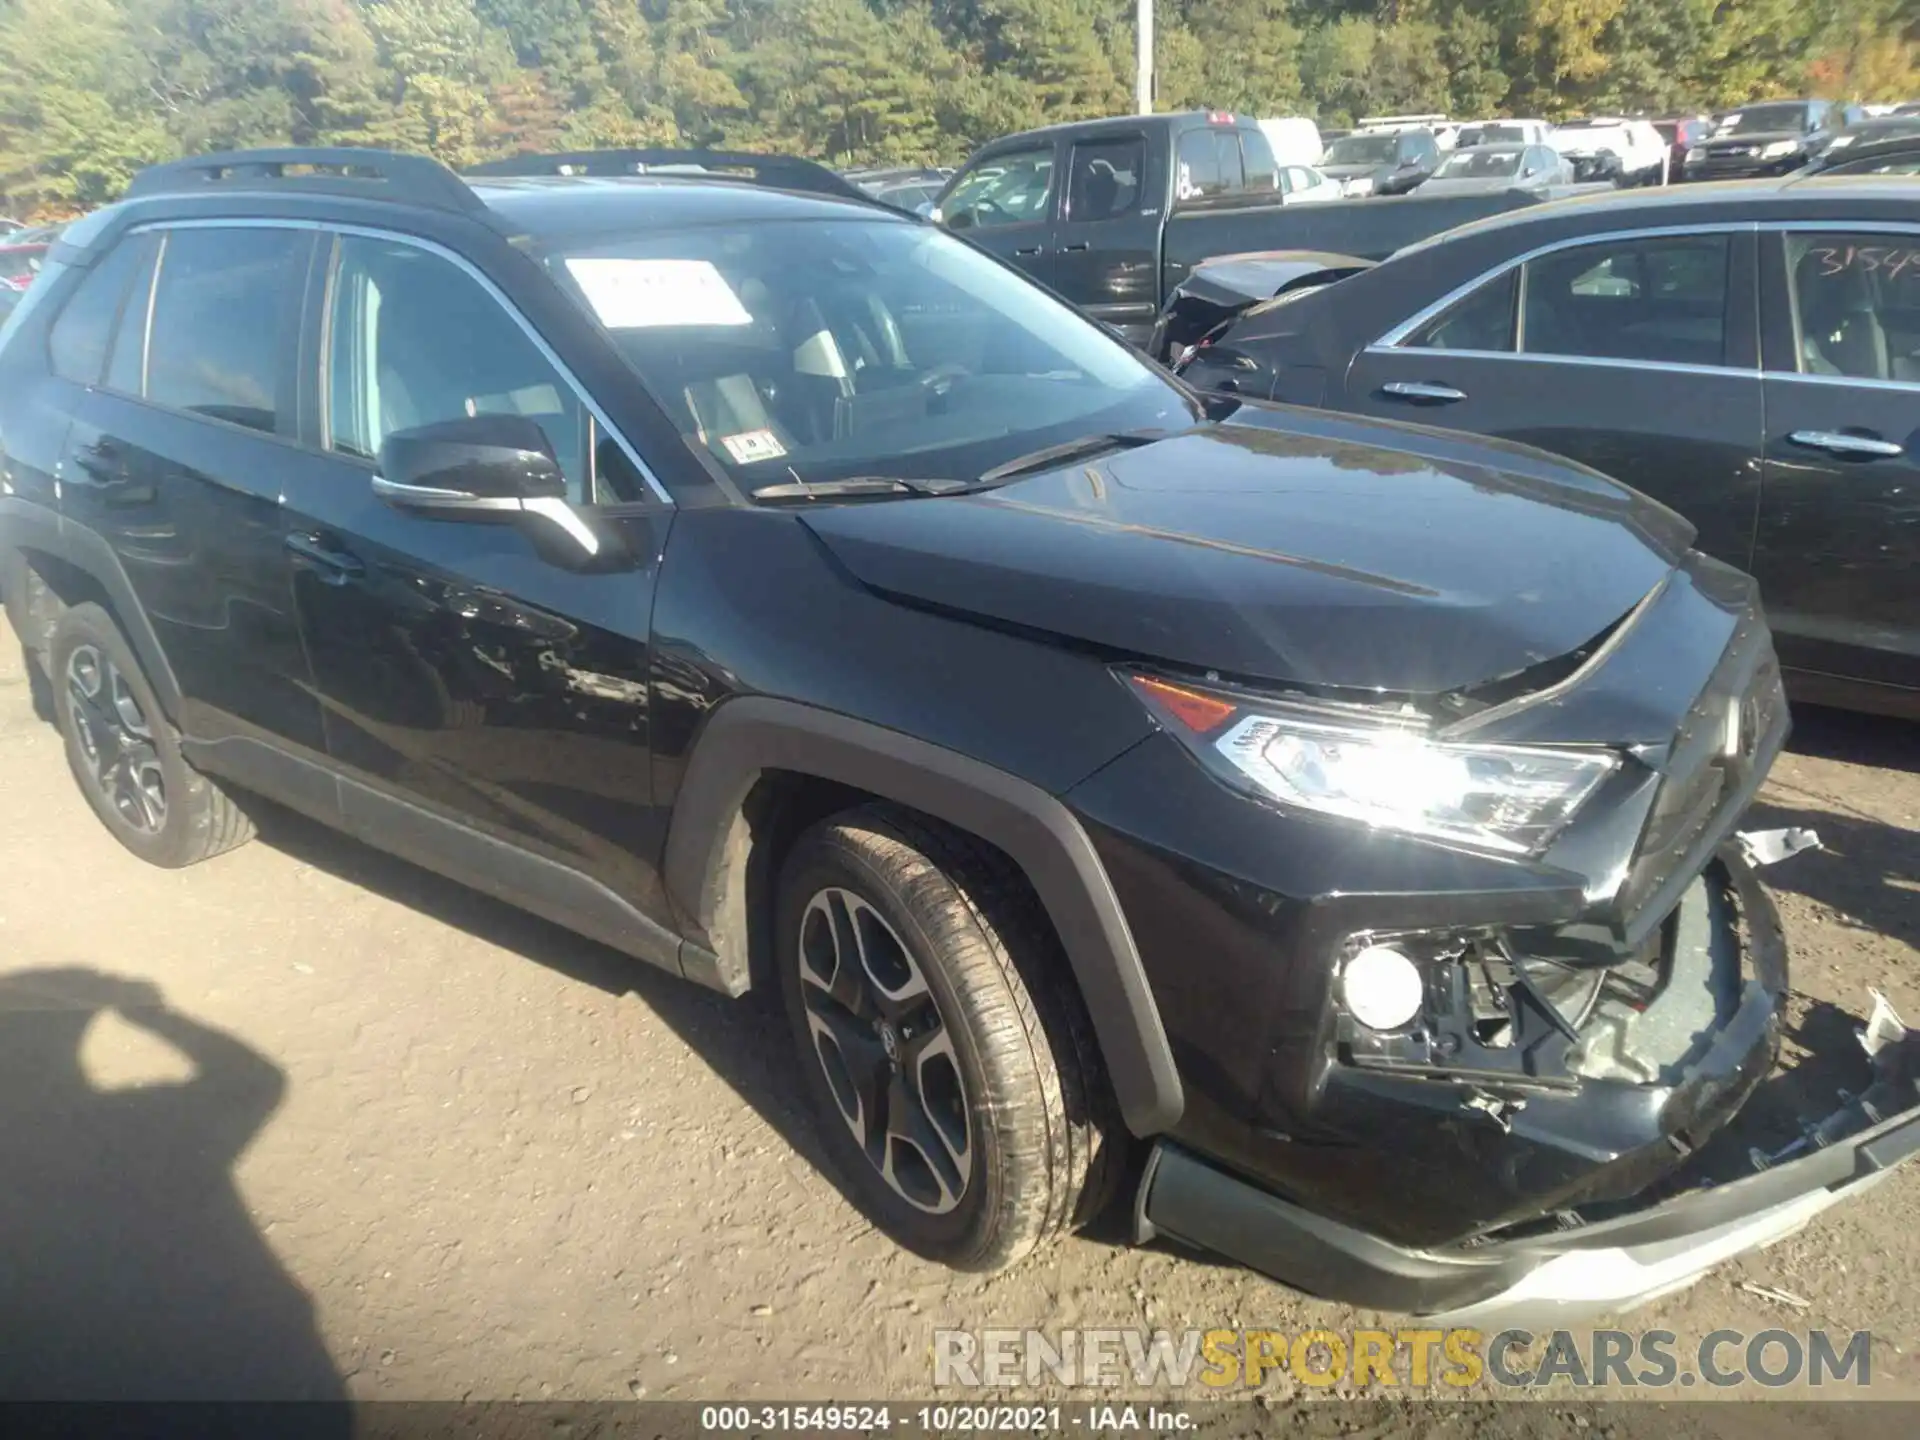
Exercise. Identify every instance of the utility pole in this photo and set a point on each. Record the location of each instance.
(1143, 67)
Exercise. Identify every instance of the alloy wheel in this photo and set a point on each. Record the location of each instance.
(886, 1050)
(116, 739)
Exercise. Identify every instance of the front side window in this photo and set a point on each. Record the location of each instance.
(818, 350)
(1481, 321)
(1856, 305)
(1013, 189)
(223, 311)
(1105, 178)
(414, 340)
(77, 344)
(1657, 299)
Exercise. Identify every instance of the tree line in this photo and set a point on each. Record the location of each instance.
(91, 90)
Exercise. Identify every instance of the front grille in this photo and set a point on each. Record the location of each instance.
(1717, 759)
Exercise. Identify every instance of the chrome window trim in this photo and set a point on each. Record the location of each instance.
(1395, 339)
(1609, 361)
(460, 262)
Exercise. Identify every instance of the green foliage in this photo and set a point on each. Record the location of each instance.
(90, 90)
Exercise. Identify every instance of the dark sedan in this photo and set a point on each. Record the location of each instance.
(1758, 140)
(1748, 354)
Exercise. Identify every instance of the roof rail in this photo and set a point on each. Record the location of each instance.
(779, 172)
(337, 169)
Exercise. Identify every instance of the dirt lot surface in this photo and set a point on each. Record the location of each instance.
(307, 1121)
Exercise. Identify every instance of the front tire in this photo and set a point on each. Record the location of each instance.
(947, 1053)
(125, 756)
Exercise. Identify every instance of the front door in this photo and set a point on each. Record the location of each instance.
(1838, 551)
(1005, 203)
(1628, 355)
(485, 684)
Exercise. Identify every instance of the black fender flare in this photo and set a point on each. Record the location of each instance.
(747, 736)
(28, 527)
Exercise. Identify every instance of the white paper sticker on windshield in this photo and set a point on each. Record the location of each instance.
(642, 294)
(751, 445)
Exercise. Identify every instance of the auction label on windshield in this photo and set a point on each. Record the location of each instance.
(647, 294)
(751, 445)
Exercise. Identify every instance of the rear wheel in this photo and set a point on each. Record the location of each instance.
(125, 755)
(945, 1048)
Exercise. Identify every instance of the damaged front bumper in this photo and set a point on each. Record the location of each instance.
(1593, 1260)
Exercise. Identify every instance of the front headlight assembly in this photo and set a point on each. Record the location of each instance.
(1386, 774)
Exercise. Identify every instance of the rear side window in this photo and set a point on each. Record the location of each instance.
(82, 332)
(1105, 177)
(1256, 156)
(1661, 299)
(222, 311)
(1209, 165)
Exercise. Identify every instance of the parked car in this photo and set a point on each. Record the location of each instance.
(21, 254)
(1682, 133)
(1484, 168)
(1216, 290)
(1620, 331)
(1306, 185)
(1865, 133)
(1626, 152)
(1503, 132)
(1381, 162)
(1769, 139)
(779, 591)
(1112, 214)
(1898, 156)
(1294, 139)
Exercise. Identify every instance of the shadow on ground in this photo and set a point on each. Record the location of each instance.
(129, 1266)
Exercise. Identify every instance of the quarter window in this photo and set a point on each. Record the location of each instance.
(1856, 305)
(1105, 178)
(1658, 299)
(77, 344)
(222, 315)
(413, 341)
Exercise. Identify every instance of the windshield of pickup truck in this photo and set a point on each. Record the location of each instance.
(1479, 165)
(1756, 119)
(818, 350)
(1491, 135)
(1361, 150)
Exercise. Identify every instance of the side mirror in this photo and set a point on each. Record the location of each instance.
(484, 467)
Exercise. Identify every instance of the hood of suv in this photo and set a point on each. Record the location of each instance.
(1299, 550)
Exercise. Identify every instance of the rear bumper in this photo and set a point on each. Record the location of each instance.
(1599, 1268)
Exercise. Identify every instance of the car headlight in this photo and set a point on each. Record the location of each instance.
(1387, 774)
(1697, 152)
(1774, 149)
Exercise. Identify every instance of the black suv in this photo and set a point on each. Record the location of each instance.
(779, 590)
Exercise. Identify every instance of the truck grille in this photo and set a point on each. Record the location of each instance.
(1719, 755)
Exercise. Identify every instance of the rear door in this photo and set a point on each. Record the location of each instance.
(1838, 550)
(1005, 203)
(1107, 242)
(1634, 354)
(177, 459)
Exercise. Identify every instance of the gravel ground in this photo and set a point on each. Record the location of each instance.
(308, 1121)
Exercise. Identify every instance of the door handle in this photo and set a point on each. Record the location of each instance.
(1854, 447)
(1424, 391)
(1031, 250)
(335, 567)
(1077, 247)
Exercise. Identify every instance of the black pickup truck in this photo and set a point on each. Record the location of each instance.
(1147, 197)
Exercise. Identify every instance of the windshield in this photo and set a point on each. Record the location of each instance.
(1757, 118)
(818, 350)
(1491, 135)
(1480, 165)
(1360, 150)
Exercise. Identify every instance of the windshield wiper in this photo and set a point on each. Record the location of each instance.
(1079, 449)
(852, 485)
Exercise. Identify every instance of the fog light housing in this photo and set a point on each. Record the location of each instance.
(1382, 988)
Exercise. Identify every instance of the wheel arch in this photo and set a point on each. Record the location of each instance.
(711, 844)
(47, 567)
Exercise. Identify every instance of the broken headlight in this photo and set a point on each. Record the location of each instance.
(1506, 799)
